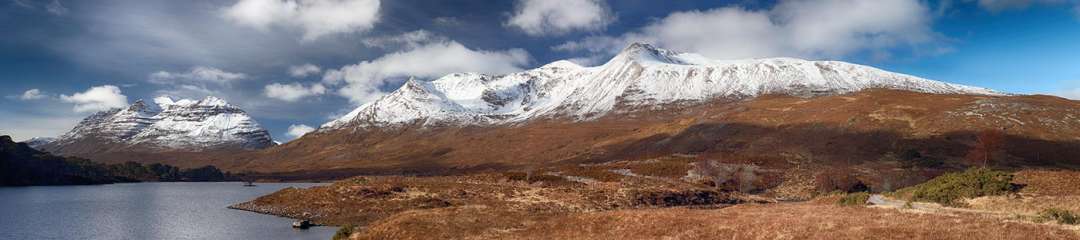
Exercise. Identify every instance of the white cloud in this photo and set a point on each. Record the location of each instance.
(304, 70)
(795, 28)
(363, 80)
(556, 17)
(407, 40)
(1073, 94)
(293, 91)
(315, 17)
(196, 75)
(56, 8)
(189, 91)
(32, 94)
(98, 98)
(447, 21)
(298, 130)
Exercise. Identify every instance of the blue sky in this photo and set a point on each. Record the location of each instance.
(303, 62)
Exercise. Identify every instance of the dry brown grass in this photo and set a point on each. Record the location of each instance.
(500, 206)
(362, 200)
(750, 221)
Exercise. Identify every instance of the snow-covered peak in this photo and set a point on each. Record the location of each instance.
(561, 64)
(640, 75)
(213, 101)
(186, 124)
(643, 53)
(163, 100)
(209, 101)
(37, 142)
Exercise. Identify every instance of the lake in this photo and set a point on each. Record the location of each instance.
(144, 211)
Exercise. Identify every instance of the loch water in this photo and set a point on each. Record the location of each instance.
(184, 210)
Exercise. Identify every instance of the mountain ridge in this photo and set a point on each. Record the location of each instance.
(639, 76)
(166, 125)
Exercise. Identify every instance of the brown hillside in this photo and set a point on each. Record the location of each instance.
(775, 131)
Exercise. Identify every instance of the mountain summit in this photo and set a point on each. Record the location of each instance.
(639, 76)
(167, 125)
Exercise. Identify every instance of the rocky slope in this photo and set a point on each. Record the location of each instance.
(207, 125)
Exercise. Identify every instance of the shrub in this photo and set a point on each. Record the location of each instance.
(1060, 215)
(671, 198)
(854, 199)
(344, 232)
(949, 188)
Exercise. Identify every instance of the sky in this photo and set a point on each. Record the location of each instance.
(296, 64)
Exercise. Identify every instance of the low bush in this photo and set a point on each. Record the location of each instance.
(854, 199)
(948, 189)
(671, 198)
(344, 232)
(1060, 215)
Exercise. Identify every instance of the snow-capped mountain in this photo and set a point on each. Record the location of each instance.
(37, 142)
(640, 75)
(210, 123)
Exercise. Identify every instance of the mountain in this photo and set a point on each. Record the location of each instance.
(38, 142)
(170, 126)
(778, 113)
(641, 76)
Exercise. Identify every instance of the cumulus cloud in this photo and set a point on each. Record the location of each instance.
(196, 75)
(97, 98)
(32, 94)
(298, 130)
(304, 70)
(363, 80)
(293, 91)
(316, 18)
(556, 17)
(797, 28)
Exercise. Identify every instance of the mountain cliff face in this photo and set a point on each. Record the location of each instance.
(641, 76)
(210, 124)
